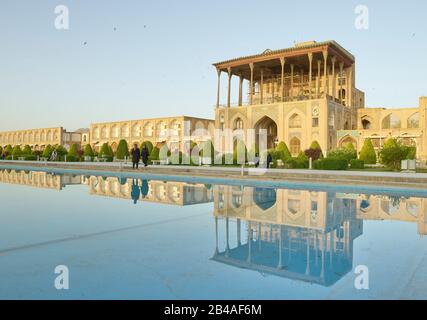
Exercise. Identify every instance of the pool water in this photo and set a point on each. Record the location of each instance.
(128, 238)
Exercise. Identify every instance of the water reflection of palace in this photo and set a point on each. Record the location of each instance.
(166, 192)
(294, 234)
(38, 179)
(302, 235)
(409, 209)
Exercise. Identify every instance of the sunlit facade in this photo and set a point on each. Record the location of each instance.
(308, 92)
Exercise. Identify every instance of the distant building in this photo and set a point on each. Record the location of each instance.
(38, 139)
(172, 131)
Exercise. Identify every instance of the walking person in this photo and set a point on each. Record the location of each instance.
(136, 156)
(269, 160)
(145, 154)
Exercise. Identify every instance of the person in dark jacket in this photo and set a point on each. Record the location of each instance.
(135, 194)
(269, 160)
(136, 156)
(145, 154)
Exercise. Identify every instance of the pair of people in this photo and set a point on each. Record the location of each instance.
(269, 160)
(137, 154)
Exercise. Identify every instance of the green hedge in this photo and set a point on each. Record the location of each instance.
(357, 164)
(296, 163)
(331, 164)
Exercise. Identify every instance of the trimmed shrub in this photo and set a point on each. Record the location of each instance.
(316, 146)
(47, 152)
(16, 152)
(357, 164)
(392, 154)
(315, 154)
(331, 164)
(106, 151)
(240, 153)
(343, 154)
(285, 150)
(73, 152)
(8, 150)
(296, 163)
(412, 153)
(72, 158)
(1, 150)
(148, 145)
(61, 151)
(27, 150)
(122, 150)
(88, 152)
(367, 154)
(154, 154)
(30, 157)
(208, 151)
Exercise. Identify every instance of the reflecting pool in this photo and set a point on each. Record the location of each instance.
(142, 238)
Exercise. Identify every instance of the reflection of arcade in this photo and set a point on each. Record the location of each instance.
(294, 234)
(38, 179)
(166, 192)
(394, 208)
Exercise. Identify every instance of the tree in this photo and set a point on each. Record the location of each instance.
(208, 151)
(148, 145)
(154, 155)
(122, 150)
(61, 151)
(315, 151)
(367, 154)
(74, 151)
(1, 150)
(351, 150)
(16, 152)
(240, 153)
(8, 150)
(88, 152)
(284, 149)
(392, 154)
(106, 151)
(26, 151)
(47, 152)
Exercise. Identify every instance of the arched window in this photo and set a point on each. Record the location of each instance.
(295, 121)
(136, 130)
(414, 121)
(115, 131)
(366, 124)
(148, 129)
(294, 206)
(391, 122)
(124, 131)
(238, 123)
(295, 146)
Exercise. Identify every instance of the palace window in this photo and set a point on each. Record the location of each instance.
(366, 124)
(295, 146)
(414, 121)
(315, 122)
(392, 121)
(238, 124)
(295, 121)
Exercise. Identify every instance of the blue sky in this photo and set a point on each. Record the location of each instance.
(158, 61)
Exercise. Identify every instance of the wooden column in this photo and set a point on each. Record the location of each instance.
(334, 80)
(282, 85)
(240, 89)
(310, 73)
(319, 65)
(292, 82)
(219, 86)
(341, 87)
(261, 88)
(229, 87)
(325, 76)
(251, 89)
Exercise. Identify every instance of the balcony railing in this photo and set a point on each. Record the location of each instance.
(278, 99)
